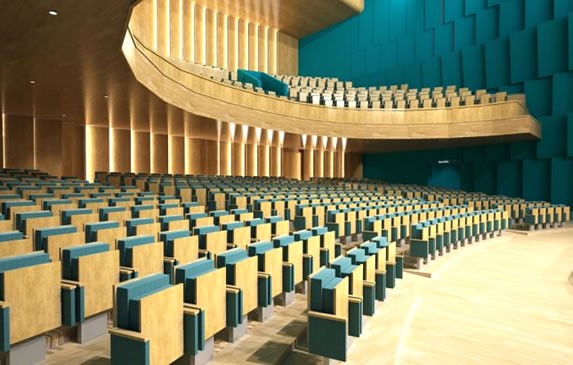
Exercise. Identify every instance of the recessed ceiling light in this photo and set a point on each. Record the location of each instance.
(105, 96)
(53, 12)
(32, 82)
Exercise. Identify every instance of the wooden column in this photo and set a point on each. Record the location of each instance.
(308, 161)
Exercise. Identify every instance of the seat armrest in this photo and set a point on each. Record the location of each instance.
(126, 273)
(132, 335)
(264, 293)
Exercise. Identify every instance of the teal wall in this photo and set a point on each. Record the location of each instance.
(514, 45)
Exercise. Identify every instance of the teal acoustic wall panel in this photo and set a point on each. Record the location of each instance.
(570, 135)
(473, 6)
(473, 67)
(523, 55)
(551, 47)
(453, 9)
(537, 11)
(464, 32)
(519, 46)
(487, 25)
(497, 63)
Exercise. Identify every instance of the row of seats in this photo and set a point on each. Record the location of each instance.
(210, 250)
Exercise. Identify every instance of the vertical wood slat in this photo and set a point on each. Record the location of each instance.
(243, 44)
(188, 31)
(253, 47)
(210, 37)
(272, 50)
(162, 28)
(263, 49)
(200, 56)
(233, 43)
(222, 41)
(176, 29)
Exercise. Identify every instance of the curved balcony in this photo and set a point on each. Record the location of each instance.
(176, 83)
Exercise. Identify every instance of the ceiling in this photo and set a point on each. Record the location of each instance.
(297, 18)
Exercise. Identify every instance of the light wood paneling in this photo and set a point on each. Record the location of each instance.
(287, 55)
(176, 155)
(292, 164)
(141, 152)
(253, 46)
(162, 13)
(195, 158)
(222, 41)
(188, 31)
(252, 159)
(353, 165)
(272, 35)
(211, 45)
(200, 36)
(263, 49)
(298, 18)
(238, 156)
(308, 162)
(226, 158)
(233, 42)
(120, 144)
(19, 139)
(276, 160)
(74, 150)
(243, 43)
(210, 153)
(264, 160)
(319, 161)
(48, 149)
(97, 150)
(159, 153)
(176, 13)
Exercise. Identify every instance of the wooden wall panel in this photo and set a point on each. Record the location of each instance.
(73, 148)
(196, 156)
(222, 41)
(159, 153)
(142, 26)
(163, 27)
(251, 159)
(176, 155)
(120, 147)
(264, 160)
(211, 155)
(199, 23)
(176, 29)
(319, 162)
(272, 50)
(158, 116)
(226, 160)
(210, 37)
(263, 49)
(308, 162)
(175, 122)
(188, 31)
(48, 146)
(292, 164)
(238, 156)
(353, 165)
(97, 150)
(243, 44)
(328, 163)
(141, 152)
(253, 46)
(19, 139)
(233, 43)
(287, 55)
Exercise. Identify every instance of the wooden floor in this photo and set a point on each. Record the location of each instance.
(502, 301)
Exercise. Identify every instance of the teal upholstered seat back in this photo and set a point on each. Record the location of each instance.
(70, 255)
(124, 246)
(128, 295)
